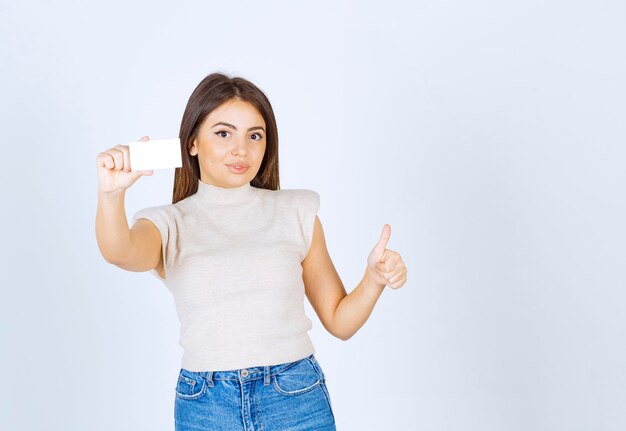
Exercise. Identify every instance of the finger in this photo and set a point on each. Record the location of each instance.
(391, 261)
(398, 284)
(105, 160)
(394, 286)
(125, 155)
(118, 158)
(380, 268)
(399, 269)
(144, 139)
(385, 256)
(382, 241)
(390, 274)
(394, 278)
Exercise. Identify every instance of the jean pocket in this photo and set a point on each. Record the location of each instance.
(190, 385)
(299, 378)
(317, 367)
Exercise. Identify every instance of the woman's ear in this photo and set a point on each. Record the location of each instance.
(193, 149)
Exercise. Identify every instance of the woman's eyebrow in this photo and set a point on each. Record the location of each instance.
(221, 123)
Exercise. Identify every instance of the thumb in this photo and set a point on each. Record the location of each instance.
(379, 248)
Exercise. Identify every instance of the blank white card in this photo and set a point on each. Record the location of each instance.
(160, 154)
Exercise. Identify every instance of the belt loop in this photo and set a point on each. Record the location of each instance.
(266, 375)
(209, 378)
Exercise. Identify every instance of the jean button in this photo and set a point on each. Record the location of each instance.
(244, 373)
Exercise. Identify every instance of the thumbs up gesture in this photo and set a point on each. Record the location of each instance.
(385, 266)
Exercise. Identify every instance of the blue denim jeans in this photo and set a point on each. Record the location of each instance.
(290, 396)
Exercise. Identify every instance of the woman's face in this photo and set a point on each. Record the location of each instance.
(232, 134)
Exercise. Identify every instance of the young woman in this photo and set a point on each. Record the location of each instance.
(238, 255)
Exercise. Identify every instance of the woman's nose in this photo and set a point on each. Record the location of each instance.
(240, 147)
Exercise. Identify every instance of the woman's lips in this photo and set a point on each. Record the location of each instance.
(238, 168)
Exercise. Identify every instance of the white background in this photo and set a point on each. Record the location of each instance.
(490, 135)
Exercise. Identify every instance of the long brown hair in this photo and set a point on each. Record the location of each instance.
(212, 91)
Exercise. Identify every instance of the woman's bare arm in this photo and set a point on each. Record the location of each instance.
(135, 249)
(344, 314)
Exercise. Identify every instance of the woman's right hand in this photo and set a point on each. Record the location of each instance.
(114, 172)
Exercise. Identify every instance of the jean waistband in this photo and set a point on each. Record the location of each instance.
(251, 373)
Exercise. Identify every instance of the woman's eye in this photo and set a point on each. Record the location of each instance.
(220, 133)
(259, 136)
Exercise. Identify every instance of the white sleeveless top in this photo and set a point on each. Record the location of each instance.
(232, 262)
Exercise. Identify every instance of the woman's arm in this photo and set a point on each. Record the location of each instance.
(136, 249)
(343, 314)
(112, 233)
